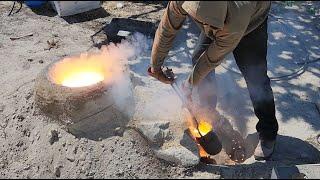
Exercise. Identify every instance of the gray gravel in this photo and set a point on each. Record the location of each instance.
(33, 147)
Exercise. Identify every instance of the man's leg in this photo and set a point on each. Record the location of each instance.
(206, 88)
(250, 55)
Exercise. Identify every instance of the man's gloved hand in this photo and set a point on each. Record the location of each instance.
(158, 74)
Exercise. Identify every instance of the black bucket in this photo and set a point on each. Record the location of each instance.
(210, 143)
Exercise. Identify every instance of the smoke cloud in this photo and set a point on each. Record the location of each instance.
(119, 56)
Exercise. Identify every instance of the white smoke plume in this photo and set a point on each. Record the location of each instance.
(119, 55)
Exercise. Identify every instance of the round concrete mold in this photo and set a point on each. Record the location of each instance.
(77, 92)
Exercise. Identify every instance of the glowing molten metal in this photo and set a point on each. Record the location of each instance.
(204, 128)
(82, 79)
(84, 70)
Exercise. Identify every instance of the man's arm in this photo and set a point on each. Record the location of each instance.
(223, 44)
(170, 23)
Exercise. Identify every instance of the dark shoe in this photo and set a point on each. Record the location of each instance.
(264, 149)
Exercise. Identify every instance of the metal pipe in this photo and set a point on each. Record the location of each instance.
(210, 141)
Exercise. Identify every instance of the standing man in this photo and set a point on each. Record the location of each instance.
(226, 26)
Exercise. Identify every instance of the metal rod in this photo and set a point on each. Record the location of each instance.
(178, 92)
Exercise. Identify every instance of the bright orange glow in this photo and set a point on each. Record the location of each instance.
(83, 70)
(204, 128)
(81, 79)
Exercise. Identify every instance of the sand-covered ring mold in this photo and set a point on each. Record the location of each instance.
(77, 92)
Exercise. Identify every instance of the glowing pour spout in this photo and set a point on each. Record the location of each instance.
(81, 79)
(204, 128)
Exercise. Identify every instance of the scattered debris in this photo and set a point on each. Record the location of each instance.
(120, 5)
(52, 44)
(57, 171)
(20, 37)
(20, 118)
(118, 131)
(2, 107)
(54, 137)
(70, 156)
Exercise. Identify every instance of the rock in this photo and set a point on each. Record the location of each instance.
(120, 173)
(155, 132)
(82, 157)
(29, 95)
(179, 155)
(2, 106)
(2, 165)
(19, 144)
(54, 136)
(175, 147)
(70, 155)
(90, 173)
(118, 131)
(20, 118)
(27, 167)
(185, 153)
(120, 5)
(57, 171)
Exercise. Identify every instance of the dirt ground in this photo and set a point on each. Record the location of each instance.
(25, 149)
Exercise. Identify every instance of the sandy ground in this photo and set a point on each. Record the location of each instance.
(24, 135)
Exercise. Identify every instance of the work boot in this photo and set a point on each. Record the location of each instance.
(264, 149)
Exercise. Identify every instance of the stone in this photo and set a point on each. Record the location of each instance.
(182, 150)
(2, 165)
(2, 106)
(178, 155)
(120, 5)
(185, 153)
(155, 132)
(82, 156)
(20, 118)
(53, 137)
(57, 171)
(118, 131)
(70, 155)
